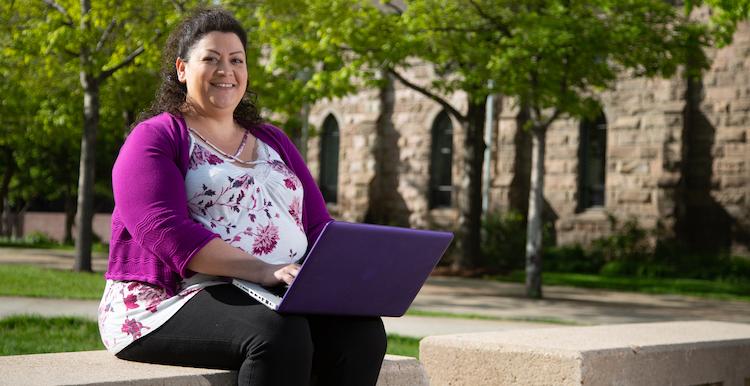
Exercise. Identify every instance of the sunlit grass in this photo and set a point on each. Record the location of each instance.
(35, 334)
(715, 289)
(31, 334)
(32, 281)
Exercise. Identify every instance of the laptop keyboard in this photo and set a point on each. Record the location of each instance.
(278, 290)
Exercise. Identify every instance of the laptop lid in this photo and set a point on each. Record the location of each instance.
(364, 269)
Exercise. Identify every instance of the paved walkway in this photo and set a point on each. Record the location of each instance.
(504, 301)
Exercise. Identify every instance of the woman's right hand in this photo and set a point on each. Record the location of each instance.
(275, 274)
(219, 258)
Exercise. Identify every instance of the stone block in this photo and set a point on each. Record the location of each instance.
(731, 197)
(737, 120)
(623, 152)
(729, 166)
(736, 150)
(648, 152)
(101, 367)
(739, 105)
(730, 135)
(627, 122)
(634, 167)
(673, 353)
(725, 93)
(625, 138)
(634, 196)
(737, 181)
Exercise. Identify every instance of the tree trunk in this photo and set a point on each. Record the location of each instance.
(86, 173)
(90, 86)
(10, 169)
(70, 214)
(470, 197)
(534, 225)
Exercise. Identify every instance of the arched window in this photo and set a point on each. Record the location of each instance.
(329, 159)
(441, 162)
(592, 161)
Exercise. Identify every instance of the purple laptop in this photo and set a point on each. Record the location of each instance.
(358, 269)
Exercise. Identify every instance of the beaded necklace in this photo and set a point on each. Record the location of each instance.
(236, 155)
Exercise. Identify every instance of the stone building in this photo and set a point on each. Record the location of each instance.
(671, 153)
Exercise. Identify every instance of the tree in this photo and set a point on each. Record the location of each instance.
(354, 44)
(36, 144)
(725, 16)
(90, 42)
(555, 57)
(552, 57)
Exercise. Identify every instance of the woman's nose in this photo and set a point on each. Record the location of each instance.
(223, 67)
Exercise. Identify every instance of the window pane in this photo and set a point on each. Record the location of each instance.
(592, 161)
(329, 159)
(441, 162)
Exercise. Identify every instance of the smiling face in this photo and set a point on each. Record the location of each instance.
(214, 73)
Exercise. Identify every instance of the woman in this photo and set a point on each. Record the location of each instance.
(204, 191)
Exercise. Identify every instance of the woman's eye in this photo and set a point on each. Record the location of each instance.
(238, 61)
(210, 60)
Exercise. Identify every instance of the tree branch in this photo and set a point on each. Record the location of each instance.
(398, 10)
(552, 118)
(497, 22)
(105, 34)
(60, 9)
(180, 7)
(71, 53)
(428, 94)
(453, 29)
(107, 73)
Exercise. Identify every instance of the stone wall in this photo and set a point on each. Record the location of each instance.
(644, 129)
(677, 156)
(717, 183)
(357, 117)
(391, 124)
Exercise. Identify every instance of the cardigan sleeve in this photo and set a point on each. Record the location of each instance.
(314, 211)
(149, 189)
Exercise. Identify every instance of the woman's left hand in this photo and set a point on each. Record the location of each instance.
(286, 273)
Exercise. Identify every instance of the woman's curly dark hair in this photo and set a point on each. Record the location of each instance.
(171, 95)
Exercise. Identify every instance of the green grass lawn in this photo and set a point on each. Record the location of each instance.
(32, 281)
(35, 334)
(25, 280)
(31, 243)
(714, 289)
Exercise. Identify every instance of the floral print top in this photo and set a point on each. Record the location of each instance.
(257, 209)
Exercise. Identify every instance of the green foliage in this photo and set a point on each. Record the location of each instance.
(724, 17)
(626, 251)
(39, 238)
(571, 258)
(632, 251)
(504, 241)
(41, 114)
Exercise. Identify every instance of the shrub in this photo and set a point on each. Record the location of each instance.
(571, 258)
(35, 239)
(504, 241)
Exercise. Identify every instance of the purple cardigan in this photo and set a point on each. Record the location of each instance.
(153, 237)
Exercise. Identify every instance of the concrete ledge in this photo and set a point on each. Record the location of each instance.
(102, 368)
(674, 353)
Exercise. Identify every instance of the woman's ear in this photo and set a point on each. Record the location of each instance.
(180, 66)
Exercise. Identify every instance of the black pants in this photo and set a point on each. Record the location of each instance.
(223, 328)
